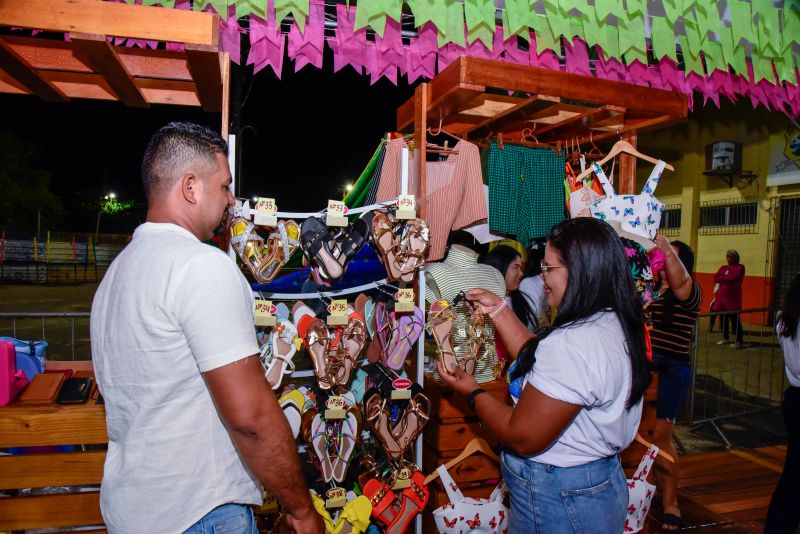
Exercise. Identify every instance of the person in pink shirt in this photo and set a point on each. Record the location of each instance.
(729, 297)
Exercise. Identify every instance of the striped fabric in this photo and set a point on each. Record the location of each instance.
(373, 190)
(454, 191)
(460, 272)
(526, 191)
(672, 336)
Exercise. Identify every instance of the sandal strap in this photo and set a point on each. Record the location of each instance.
(240, 241)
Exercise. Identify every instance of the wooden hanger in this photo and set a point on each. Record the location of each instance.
(619, 147)
(476, 445)
(642, 441)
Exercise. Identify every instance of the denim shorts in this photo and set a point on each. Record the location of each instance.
(545, 499)
(226, 519)
(674, 378)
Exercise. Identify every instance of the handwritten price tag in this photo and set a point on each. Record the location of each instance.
(265, 212)
(405, 300)
(264, 313)
(336, 213)
(406, 207)
(335, 408)
(338, 313)
(402, 479)
(336, 498)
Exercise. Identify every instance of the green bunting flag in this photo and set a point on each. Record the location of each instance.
(479, 16)
(631, 33)
(428, 11)
(741, 22)
(592, 28)
(663, 38)
(454, 24)
(690, 60)
(220, 6)
(374, 12)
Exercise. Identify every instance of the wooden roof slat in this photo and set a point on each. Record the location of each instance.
(95, 51)
(205, 69)
(111, 18)
(580, 122)
(525, 107)
(16, 67)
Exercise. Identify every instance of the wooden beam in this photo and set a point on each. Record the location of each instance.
(420, 144)
(111, 18)
(52, 425)
(97, 52)
(24, 73)
(577, 87)
(225, 62)
(499, 122)
(56, 510)
(51, 469)
(204, 64)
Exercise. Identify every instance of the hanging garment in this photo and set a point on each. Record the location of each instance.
(636, 217)
(640, 492)
(376, 177)
(526, 191)
(465, 514)
(453, 189)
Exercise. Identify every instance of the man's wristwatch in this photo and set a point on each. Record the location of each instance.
(472, 395)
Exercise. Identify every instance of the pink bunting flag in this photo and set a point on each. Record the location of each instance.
(421, 56)
(349, 47)
(672, 76)
(267, 43)
(387, 56)
(577, 57)
(449, 53)
(546, 60)
(306, 47)
(610, 69)
(478, 49)
(508, 50)
(639, 74)
(230, 32)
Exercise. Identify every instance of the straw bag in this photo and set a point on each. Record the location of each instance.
(640, 492)
(465, 514)
(636, 217)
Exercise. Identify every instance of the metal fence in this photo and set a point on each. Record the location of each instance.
(730, 382)
(67, 334)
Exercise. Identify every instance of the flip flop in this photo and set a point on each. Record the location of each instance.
(319, 443)
(348, 434)
(283, 349)
(409, 328)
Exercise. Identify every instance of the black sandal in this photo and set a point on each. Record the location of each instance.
(352, 239)
(320, 247)
(672, 522)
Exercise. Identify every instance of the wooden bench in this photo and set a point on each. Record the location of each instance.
(28, 426)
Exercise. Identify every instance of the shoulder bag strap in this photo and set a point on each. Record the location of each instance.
(646, 464)
(453, 493)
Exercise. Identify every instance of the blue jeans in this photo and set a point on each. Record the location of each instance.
(545, 499)
(226, 519)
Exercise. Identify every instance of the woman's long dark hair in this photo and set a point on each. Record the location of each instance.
(599, 279)
(500, 257)
(790, 313)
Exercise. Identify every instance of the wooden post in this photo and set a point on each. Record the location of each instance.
(225, 69)
(626, 185)
(420, 144)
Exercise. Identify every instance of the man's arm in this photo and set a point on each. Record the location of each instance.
(261, 433)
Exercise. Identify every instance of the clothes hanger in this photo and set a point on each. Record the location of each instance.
(440, 131)
(476, 445)
(618, 148)
(642, 441)
(594, 153)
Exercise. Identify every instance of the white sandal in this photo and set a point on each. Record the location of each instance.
(283, 349)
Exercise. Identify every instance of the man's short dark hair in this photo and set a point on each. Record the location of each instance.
(171, 149)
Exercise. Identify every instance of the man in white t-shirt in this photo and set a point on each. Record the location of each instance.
(194, 429)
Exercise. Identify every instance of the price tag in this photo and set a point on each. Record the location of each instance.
(402, 479)
(336, 498)
(264, 311)
(337, 313)
(265, 212)
(335, 408)
(336, 213)
(405, 300)
(406, 207)
(270, 504)
(400, 389)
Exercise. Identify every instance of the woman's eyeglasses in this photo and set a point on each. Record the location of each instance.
(547, 268)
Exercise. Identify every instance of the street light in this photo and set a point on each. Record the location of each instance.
(107, 199)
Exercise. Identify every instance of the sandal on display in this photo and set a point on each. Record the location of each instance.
(382, 236)
(412, 501)
(396, 437)
(292, 404)
(320, 444)
(387, 335)
(353, 519)
(413, 248)
(382, 499)
(348, 432)
(441, 319)
(352, 239)
(321, 248)
(408, 328)
(249, 246)
(283, 349)
(264, 262)
(351, 343)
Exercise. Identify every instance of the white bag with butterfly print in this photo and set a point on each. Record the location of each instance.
(636, 217)
(640, 492)
(465, 514)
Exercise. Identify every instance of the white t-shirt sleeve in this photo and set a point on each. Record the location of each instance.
(215, 310)
(562, 371)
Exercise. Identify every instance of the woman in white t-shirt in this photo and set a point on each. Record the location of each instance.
(784, 508)
(577, 387)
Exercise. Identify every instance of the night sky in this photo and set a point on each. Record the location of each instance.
(304, 137)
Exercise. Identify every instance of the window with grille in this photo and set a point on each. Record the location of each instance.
(728, 217)
(671, 220)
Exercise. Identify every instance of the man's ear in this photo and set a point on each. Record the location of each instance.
(190, 187)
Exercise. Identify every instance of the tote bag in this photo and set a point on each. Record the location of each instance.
(640, 492)
(465, 514)
(30, 355)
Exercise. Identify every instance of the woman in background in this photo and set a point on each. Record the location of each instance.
(532, 287)
(783, 516)
(509, 262)
(729, 297)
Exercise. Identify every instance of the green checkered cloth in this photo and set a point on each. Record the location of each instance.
(526, 191)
